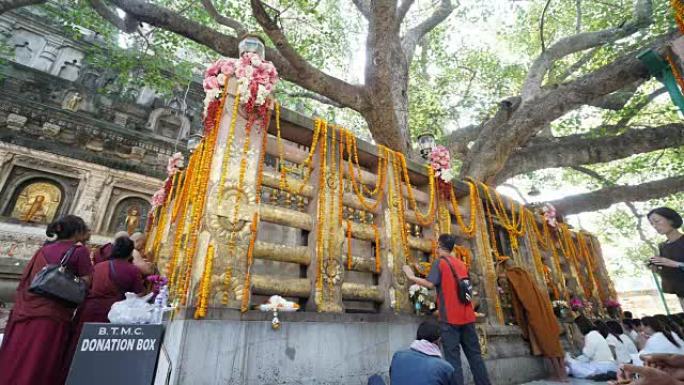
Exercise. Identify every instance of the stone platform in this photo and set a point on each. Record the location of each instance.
(573, 381)
(314, 348)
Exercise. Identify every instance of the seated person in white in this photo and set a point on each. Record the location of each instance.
(623, 345)
(674, 328)
(660, 340)
(596, 358)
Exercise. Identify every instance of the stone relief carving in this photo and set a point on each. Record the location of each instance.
(46, 58)
(72, 101)
(70, 70)
(37, 202)
(130, 215)
(16, 122)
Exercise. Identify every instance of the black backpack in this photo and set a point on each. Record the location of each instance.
(465, 288)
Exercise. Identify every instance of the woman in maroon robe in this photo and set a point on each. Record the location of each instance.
(38, 331)
(111, 280)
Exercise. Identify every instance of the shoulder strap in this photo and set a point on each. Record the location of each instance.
(113, 277)
(67, 255)
(451, 267)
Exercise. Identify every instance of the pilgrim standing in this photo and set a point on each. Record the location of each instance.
(38, 331)
(670, 259)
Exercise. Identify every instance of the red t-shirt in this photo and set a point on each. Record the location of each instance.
(451, 309)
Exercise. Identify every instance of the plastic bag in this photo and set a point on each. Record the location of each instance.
(132, 310)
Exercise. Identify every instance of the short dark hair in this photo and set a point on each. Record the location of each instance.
(636, 322)
(447, 242)
(627, 315)
(659, 327)
(615, 329)
(602, 328)
(585, 326)
(669, 214)
(429, 331)
(66, 227)
(122, 248)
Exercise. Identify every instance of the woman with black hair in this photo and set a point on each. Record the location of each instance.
(670, 259)
(672, 327)
(37, 334)
(660, 339)
(623, 345)
(111, 280)
(597, 358)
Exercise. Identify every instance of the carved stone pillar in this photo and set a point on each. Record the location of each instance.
(92, 185)
(230, 205)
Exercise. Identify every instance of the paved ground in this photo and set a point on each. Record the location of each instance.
(573, 382)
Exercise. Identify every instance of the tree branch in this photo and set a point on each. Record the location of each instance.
(316, 97)
(637, 107)
(643, 10)
(308, 78)
(541, 25)
(403, 9)
(413, 36)
(126, 24)
(578, 16)
(364, 7)
(639, 218)
(618, 99)
(223, 20)
(574, 150)
(605, 197)
(8, 5)
(323, 84)
(496, 143)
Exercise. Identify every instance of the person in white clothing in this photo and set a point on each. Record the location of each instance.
(624, 347)
(672, 327)
(660, 340)
(597, 358)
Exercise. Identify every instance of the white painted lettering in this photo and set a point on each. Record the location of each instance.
(102, 331)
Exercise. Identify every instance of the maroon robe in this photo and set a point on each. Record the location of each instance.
(102, 253)
(38, 331)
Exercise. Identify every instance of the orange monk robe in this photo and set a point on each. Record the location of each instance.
(534, 313)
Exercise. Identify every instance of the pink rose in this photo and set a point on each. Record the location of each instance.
(228, 68)
(210, 83)
(213, 69)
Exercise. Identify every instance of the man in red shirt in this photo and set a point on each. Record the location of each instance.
(457, 318)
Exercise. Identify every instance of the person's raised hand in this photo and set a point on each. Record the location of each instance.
(660, 261)
(672, 364)
(408, 271)
(647, 376)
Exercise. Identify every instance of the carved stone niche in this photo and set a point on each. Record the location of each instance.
(35, 196)
(126, 211)
(168, 122)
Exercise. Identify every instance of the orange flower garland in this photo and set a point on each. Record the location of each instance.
(378, 256)
(422, 219)
(349, 245)
(229, 143)
(678, 11)
(321, 208)
(468, 231)
(205, 284)
(250, 259)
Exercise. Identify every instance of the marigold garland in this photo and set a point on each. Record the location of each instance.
(308, 162)
(468, 231)
(422, 219)
(205, 284)
(675, 70)
(321, 208)
(229, 144)
(250, 259)
(349, 245)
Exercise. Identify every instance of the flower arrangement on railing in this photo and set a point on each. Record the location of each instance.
(440, 160)
(275, 304)
(420, 296)
(174, 165)
(611, 304)
(560, 308)
(550, 214)
(157, 282)
(576, 304)
(256, 79)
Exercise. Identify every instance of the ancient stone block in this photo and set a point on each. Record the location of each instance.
(16, 122)
(51, 129)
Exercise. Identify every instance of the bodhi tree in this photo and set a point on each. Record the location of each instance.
(570, 57)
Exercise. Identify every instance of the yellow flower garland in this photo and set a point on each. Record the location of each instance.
(468, 231)
(205, 284)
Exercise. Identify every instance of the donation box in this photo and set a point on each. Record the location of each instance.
(116, 354)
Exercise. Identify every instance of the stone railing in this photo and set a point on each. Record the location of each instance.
(292, 213)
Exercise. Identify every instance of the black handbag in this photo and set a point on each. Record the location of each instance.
(465, 288)
(58, 283)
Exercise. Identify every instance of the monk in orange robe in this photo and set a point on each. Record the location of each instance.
(532, 307)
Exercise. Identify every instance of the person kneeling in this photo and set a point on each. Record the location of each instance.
(597, 359)
(422, 363)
